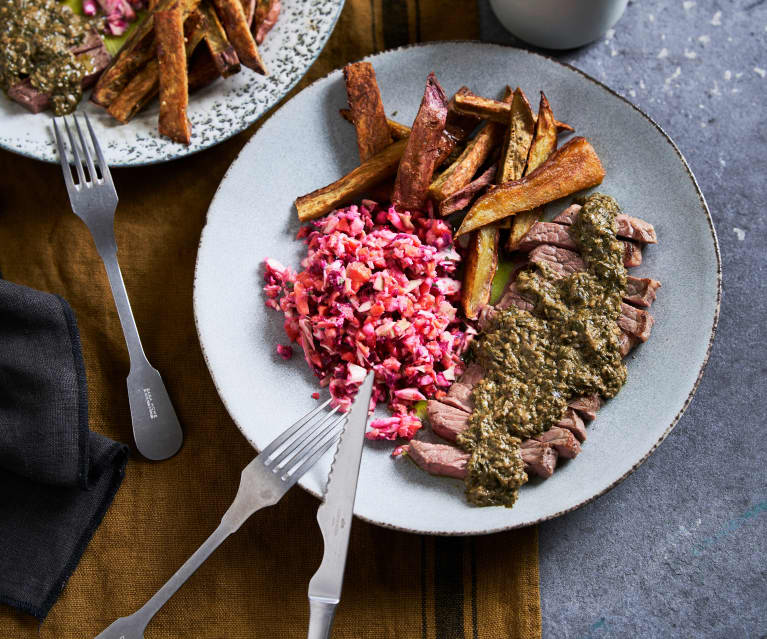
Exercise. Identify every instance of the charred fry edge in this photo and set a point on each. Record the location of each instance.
(481, 263)
(544, 144)
(366, 109)
(519, 137)
(171, 61)
(421, 153)
(574, 167)
(368, 174)
(221, 50)
(461, 199)
(489, 109)
(233, 18)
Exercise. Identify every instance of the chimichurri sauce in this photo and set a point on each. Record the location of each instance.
(35, 42)
(536, 362)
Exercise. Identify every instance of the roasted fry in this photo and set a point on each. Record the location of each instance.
(458, 124)
(145, 84)
(544, 144)
(488, 109)
(421, 153)
(233, 18)
(461, 199)
(368, 174)
(572, 168)
(134, 54)
(396, 130)
(249, 9)
(481, 262)
(367, 110)
(202, 70)
(267, 12)
(171, 60)
(221, 50)
(519, 137)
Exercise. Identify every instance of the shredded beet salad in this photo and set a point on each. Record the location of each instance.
(377, 292)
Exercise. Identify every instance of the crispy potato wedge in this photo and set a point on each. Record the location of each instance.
(145, 84)
(221, 50)
(202, 70)
(460, 125)
(367, 110)
(519, 136)
(421, 153)
(480, 265)
(489, 109)
(396, 130)
(462, 198)
(544, 144)
(171, 64)
(232, 16)
(266, 14)
(574, 167)
(354, 184)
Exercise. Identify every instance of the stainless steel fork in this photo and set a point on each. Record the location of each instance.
(263, 482)
(94, 199)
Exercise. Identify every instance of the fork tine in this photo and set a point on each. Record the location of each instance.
(274, 445)
(308, 443)
(103, 166)
(78, 161)
(294, 474)
(86, 150)
(305, 437)
(63, 157)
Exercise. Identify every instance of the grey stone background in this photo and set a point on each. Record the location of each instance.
(678, 549)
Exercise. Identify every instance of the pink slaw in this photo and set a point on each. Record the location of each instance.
(377, 292)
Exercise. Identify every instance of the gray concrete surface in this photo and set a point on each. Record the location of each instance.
(678, 549)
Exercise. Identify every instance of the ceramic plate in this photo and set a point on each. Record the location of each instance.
(216, 112)
(306, 145)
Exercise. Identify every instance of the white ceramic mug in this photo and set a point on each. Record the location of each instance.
(558, 24)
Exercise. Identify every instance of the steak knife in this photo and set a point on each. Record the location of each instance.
(335, 517)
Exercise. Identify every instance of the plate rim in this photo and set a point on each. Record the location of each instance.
(704, 363)
(228, 136)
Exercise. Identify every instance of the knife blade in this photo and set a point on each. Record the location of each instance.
(335, 516)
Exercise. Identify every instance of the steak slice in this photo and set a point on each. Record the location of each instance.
(563, 261)
(446, 421)
(640, 291)
(439, 459)
(559, 235)
(459, 394)
(540, 458)
(586, 406)
(572, 421)
(636, 322)
(562, 440)
(627, 343)
(631, 228)
(512, 297)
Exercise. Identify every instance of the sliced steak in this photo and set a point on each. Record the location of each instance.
(632, 254)
(572, 421)
(562, 440)
(459, 394)
(540, 458)
(631, 228)
(586, 406)
(446, 421)
(512, 297)
(635, 322)
(559, 235)
(563, 261)
(439, 459)
(27, 96)
(627, 343)
(640, 291)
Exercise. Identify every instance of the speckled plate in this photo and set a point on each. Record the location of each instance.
(216, 112)
(306, 145)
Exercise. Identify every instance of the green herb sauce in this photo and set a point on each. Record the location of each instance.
(536, 362)
(35, 43)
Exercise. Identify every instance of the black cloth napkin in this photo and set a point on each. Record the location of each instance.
(57, 478)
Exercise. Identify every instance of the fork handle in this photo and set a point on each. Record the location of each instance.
(132, 340)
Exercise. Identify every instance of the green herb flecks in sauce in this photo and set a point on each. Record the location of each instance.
(536, 362)
(35, 42)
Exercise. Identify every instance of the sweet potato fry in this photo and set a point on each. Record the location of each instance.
(481, 262)
(221, 50)
(352, 185)
(145, 84)
(367, 110)
(460, 125)
(249, 9)
(202, 70)
(232, 16)
(462, 198)
(574, 167)
(267, 12)
(488, 109)
(396, 130)
(519, 136)
(171, 60)
(544, 144)
(421, 153)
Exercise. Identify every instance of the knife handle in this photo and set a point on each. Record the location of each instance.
(321, 615)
